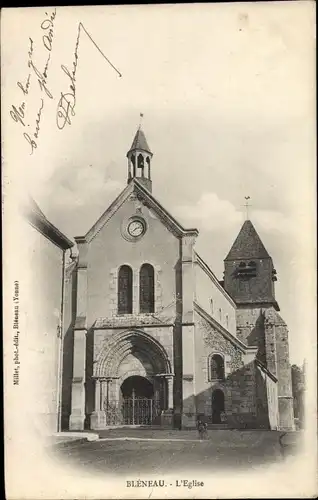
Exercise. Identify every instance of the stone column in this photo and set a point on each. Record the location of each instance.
(97, 395)
(98, 417)
(188, 278)
(170, 392)
(136, 304)
(167, 411)
(188, 378)
(78, 383)
(77, 417)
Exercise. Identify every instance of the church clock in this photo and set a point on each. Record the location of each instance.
(136, 228)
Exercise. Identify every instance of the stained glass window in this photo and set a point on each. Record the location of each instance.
(146, 287)
(125, 290)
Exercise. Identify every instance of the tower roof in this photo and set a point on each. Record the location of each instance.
(247, 245)
(140, 142)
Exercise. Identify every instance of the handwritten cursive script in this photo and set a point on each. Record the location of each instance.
(66, 104)
(18, 113)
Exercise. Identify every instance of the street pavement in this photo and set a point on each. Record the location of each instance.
(130, 451)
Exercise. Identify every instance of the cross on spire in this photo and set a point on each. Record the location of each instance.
(141, 115)
(247, 205)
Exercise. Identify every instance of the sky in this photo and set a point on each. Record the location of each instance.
(228, 97)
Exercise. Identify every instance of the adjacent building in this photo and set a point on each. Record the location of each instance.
(47, 251)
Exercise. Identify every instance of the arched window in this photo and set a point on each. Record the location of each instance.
(220, 314)
(211, 306)
(141, 163)
(216, 367)
(147, 289)
(227, 320)
(125, 279)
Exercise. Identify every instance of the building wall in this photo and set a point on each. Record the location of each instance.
(257, 289)
(276, 333)
(68, 341)
(109, 250)
(239, 384)
(264, 328)
(212, 298)
(266, 400)
(43, 317)
(250, 328)
(97, 291)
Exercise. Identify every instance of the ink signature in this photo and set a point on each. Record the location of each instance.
(66, 104)
(18, 113)
(67, 101)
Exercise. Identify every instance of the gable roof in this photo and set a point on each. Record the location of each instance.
(140, 142)
(136, 189)
(247, 245)
(37, 219)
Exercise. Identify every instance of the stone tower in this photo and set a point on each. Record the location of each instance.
(249, 277)
(139, 160)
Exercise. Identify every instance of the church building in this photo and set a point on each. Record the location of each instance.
(152, 337)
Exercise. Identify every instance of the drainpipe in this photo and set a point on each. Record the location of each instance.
(60, 353)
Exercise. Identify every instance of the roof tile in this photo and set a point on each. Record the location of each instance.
(247, 245)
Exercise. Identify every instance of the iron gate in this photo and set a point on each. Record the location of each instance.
(132, 411)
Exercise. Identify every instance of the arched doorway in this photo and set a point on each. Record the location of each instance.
(139, 406)
(217, 405)
(131, 385)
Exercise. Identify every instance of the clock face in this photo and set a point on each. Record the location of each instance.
(136, 228)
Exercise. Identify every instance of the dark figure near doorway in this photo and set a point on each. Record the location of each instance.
(217, 406)
(202, 429)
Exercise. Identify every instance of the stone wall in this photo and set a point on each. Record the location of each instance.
(109, 250)
(250, 328)
(276, 334)
(266, 400)
(239, 383)
(257, 289)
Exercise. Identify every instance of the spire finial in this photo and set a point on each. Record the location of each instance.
(247, 205)
(141, 115)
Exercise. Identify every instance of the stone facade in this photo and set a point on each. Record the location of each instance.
(205, 348)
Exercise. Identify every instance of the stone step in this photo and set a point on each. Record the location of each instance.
(217, 426)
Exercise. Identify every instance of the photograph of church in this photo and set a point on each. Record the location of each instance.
(153, 338)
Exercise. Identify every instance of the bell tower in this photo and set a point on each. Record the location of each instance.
(249, 273)
(139, 160)
(249, 278)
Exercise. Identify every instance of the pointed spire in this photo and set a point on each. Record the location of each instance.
(139, 143)
(139, 160)
(247, 245)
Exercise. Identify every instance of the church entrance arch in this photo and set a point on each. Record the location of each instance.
(133, 380)
(217, 405)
